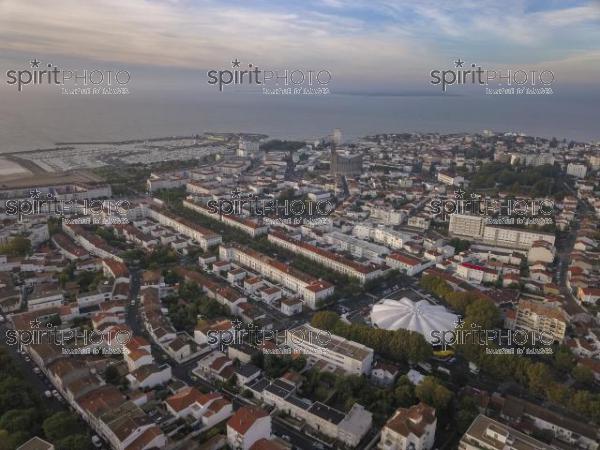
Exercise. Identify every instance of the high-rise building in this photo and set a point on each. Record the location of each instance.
(345, 163)
(247, 148)
(466, 226)
(336, 137)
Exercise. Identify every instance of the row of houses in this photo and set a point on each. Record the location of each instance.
(112, 415)
(246, 225)
(203, 236)
(362, 272)
(312, 290)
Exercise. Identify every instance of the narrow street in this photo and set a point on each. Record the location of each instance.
(564, 248)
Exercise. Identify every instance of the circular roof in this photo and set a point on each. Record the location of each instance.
(421, 317)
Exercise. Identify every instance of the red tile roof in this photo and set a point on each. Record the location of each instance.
(245, 417)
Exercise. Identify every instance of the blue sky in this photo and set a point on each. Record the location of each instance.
(372, 43)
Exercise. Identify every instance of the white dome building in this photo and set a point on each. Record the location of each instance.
(421, 317)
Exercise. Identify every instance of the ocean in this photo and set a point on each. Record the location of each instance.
(38, 119)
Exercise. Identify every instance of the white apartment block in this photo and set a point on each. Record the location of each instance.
(476, 274)
(246, 225)
(474, 227)
(577, 170)
(450, 179)
(203, 236)
(311, 289)
(514, 238)
(486, 433)
(419, 222)
(411, 266)
(546, 318)
(347, 428)
(387, 216)
(463, 225)
(329, 259)
(157, 182)
(351, 357)
(382, 235)
(532, 159)
(357, 247)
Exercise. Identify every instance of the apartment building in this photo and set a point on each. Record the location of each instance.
(384, 235)
(449, 178)
(203, 236)
(474, 228)
(408, 264)
(160, 181)
(361, 272)
(412, 428)
(357, 247)
(476, 274)
(318, 345)
(387, 216)
(547, 318)
(348, 428)
(486, 433)
(312, 289)
(514, 237)
(577, 170)
(568, 431)
(422, 223)
(248, 226)
(464, 225)
(542, 251)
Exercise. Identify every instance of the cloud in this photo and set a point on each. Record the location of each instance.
(360, 39)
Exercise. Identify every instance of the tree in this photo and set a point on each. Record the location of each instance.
(464, 419)
(325, 320)
(483, 313)
(112, 375)
(18, 246)
(74, 442)
(398, 345)
(432, 392)
(60, 425)
(404, 393)
(19, 420)
(539, 376)
(460, 245)
(16, 439)
(563, 359)
(558, 393)
(583, 375)
(4, 437)
(14, 394)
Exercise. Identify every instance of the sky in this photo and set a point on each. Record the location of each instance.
(365, 44)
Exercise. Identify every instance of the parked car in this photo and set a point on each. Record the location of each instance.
(96, 442)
